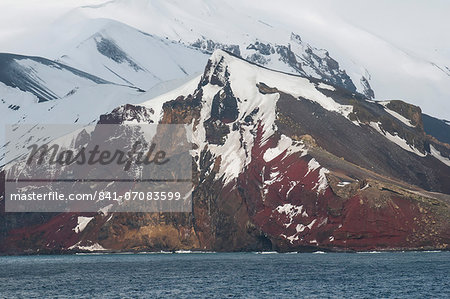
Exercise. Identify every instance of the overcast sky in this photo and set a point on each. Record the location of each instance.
(416, 24)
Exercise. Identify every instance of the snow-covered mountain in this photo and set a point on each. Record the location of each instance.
(395, 66)
(103, 65)
(122, 54)
(234, 91)
(282, 162)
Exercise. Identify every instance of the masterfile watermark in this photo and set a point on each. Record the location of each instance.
(124, 168)
(55, 155)
(97, 196)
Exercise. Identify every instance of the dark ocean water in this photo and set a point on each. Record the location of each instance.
(228, 275)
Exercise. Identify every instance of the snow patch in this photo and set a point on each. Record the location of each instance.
(285, 144)
(93, 247)
(82, 223)
(365, 187)
(292, 185)
(322, 184)
(400, 117)
(326, 86)
(290, 210)
(104, 211)
(396, 139)
(272, 153)
(312, 165)
(435, 153)
(300, 227)
(395, 114)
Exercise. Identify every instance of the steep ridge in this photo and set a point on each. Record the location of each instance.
(295, 57)
(281, 162)
(124, 55)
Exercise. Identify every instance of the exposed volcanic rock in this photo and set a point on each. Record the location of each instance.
(288, 57)
(224, 106)
(368, 91)
(141, 231)
(264, 49)
(128, 113)
(279, 163)
(210, 46)
(327, 69)
(410, 112)
(372, 151)
(298, 56)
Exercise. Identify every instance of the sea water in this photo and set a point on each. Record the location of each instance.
(228, 275)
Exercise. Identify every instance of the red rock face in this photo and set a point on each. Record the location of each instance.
(366, 227)
(56, 235)
(289, 209)
(296, 216)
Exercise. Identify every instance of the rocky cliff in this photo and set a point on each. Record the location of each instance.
(280, 162)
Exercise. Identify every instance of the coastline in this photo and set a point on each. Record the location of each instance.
(194, 251)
